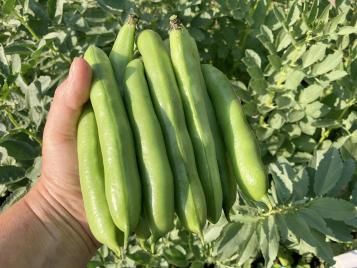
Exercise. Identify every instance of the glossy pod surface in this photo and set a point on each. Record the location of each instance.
(228, 182)
(122, 182)
(157, 178)
(189, 196)
(92, 182)
(123, 48)
(188, 72)
(239, 138)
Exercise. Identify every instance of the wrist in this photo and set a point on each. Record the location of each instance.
(69, 235)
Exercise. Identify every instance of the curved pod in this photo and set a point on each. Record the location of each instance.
(239, 138)
(91, 176)
(122, 182)
(228, 182)
(157, 178)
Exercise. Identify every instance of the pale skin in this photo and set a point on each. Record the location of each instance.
(48, 226)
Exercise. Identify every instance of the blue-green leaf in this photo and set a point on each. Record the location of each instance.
(313, 54)
(269, 240)
(282, 175)
(328, 64)
(335, 209)
(11, 174)
(328, 172)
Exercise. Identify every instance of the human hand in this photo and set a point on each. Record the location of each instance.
(59, 182)
(59, 176)
(51, 218)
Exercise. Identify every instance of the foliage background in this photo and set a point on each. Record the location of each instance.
(293, 64)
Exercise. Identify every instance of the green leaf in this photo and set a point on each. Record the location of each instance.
(341, 231)
(34, 171)
(19, 149)
(349, 167)
(197, 264)
(269, 240)
(255, 73)
(284, 101)
(13, 198)
(11, 174)
(4, 64)
(354, 194)
(328, 172)
(331, 26)
(8, 6)
(294, 79)
(336, 75)
(266, 37)
(294, 53)
(345, 30)
(296, 115)
(328, 64)
(299, 227)
(350, 146)
(234, 239)
(213, 231)
(250, 249)
(275, 61)
(350, 122)
(310, 93)
(285, 233)
(283, 40)
(315, 53)
(282, 175)
(294, 14)
(313, 12)
(332, 208)
(229, 232)
(175, 256)
(276, 120)
(279, 13)
(252, 59)
(258, 85)
(326, 123)
(301, 184)
(314, 220)
(316, 109)
(305, 143)
(140, 256)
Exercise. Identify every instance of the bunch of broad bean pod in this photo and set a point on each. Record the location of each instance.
(161, 135)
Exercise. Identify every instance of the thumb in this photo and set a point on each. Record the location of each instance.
(67, 103)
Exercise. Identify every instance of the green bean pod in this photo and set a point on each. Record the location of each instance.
(187, 70)
(122, 181)
(189, 196)
(238, 136)
(123, 48)
(91, 176)
(228, 182)
(156, 174)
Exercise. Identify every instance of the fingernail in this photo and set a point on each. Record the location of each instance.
(72, 69)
